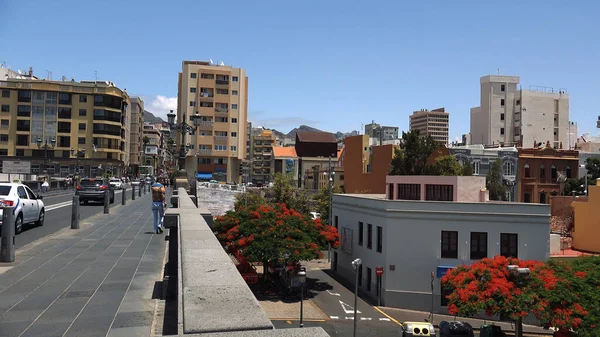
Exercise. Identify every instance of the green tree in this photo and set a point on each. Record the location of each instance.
(249, 198)
(450, 166)
(494, 183)
(411, 157)
(282, 191)
(575, 185)
(301, 201)
(322, 202)
(592, 165)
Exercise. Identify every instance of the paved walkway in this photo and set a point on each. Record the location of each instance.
(99, 280)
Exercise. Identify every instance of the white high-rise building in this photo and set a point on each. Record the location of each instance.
(509, 115)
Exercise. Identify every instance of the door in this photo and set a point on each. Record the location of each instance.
(25, 204)
(35, 204)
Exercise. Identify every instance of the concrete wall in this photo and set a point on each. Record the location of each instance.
(538, 119)
(357, 157)
(466, 189)
(587, 222)
(412, 240)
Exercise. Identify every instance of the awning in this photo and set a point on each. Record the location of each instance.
(207, 176)
(442, 270)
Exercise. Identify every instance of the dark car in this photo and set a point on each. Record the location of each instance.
(90, 189)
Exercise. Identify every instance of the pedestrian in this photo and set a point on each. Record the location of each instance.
(159, 202)
(45, 186)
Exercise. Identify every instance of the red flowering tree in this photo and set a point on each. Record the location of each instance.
(487, 286)
(266, 233)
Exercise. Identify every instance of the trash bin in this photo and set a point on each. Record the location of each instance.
(455, 329)
(410, 329)
(491, 331)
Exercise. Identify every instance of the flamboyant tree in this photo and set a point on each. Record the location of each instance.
(267, 234)
(487, 286)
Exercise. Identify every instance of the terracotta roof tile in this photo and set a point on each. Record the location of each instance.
(284, 151)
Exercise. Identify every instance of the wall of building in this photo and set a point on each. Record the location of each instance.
(587, 222)
(411, 241)
(465, 189)
(538, 120)
(365, 168)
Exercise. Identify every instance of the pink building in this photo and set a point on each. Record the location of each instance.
(437, 188)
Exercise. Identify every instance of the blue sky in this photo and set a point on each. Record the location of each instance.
(331, 64)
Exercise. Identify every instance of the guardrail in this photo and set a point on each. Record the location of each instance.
(209, 286)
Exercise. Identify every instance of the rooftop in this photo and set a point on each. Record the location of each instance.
(284, 151)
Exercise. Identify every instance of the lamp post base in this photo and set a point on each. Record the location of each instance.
(181, 179)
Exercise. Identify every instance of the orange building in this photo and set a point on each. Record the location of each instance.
(365, 167)
(586, 230)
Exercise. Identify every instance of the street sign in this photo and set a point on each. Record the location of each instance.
(379, 271)
(18, 167)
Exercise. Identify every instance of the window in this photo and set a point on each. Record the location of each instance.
(234, 120)
(234, 148)
(3, 138)
(82, 98)
(206, 76)
(22, 140)
(20, 153)
(222, 92)
(64, 127)
(192, 103)
(220, 147)
(502, 102)
(21, 192)
(501, 131)
(23, 125)
(478, 245)
(501, 117)
(509, 245)
(64, 113)
(82, 126)
(503, 87)
(379, 239)
(335, 222)
(64, 98)
(542, 197)
(568, 172)
(408, 192)
(3, 152)
(369, 236)
(234, 106)
(439, 192)
(476, 167)
(193, 90)
(542, 172)
(24, 110)
(5, 93)
(361, 230)
(24, 96)
(508, 168)
(234, 134)
(5, 108)
(234, 78)
(449, 245)
(64, 141)
(553, 173)
(4, 124)
(81, 140)
(527, 172)
(234, 92)
(369, 273)
(193, 75)
(527, 197)
(206, 104)
(555, 105)
(518, 102)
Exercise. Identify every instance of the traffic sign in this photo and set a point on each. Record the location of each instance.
(379, 271)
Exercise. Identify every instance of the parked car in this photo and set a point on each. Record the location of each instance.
(116, 183)
(91, 189)
(29, 207)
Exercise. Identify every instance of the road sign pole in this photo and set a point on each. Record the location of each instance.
(75, 213)
(132, 192)
(7, 244)
(123, 195)
(106, 201)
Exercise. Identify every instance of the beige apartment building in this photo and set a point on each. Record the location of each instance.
(510, 115)
(433, 123)
(63, 127)
(219, 93)
(136, 129)
(262, 157)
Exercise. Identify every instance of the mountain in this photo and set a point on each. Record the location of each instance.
(150, 118)
(292, 134)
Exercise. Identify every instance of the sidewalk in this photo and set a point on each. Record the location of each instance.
(100, 280)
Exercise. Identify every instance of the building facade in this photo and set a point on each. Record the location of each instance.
(381, 133)
(434, 123)
(317, 177)
(285, 161)
(365, 166)
(64, 127)
(436, 188)
(136, 127)
(153, 149)
(411, 240)
(509, 115)
(541, 171)
(262, 157)
(586, 222)
(219, 94)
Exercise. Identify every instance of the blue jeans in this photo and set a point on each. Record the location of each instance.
(158, 211)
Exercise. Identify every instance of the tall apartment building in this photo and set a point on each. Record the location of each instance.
(509, 115)
(380, 132)
(262, 156)
(432, 123)
(219, 93)
(152, 150)
(83, 124)
(136, 129)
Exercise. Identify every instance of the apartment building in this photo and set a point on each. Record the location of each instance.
(63, 127)
(510, 115)
(432, 123)
(262, 157)
(219, 94)
(381, 132)
(154, 145)
(136, 128)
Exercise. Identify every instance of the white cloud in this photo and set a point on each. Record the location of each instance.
(160, 105)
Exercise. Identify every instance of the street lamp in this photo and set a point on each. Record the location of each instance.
(521, 275)
(183, 128)
(586, 179)
(330, 211)
(302, 280)
(46, 146)
(356, 265)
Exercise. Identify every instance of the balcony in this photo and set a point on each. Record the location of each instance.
(205, 152)
(220, 139)
(222, 82)
(206, 96)
(221, 112)
(205, 125)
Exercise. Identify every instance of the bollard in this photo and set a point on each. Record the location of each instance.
(7, 249)
(140, 190)
(132, 192)
(75, 213)
(106, 201)
(123, 195)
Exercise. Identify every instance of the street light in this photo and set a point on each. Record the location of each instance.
(356, 265)
(330, 212)
(183, 128)
(521, 275)
(46, 146)
(302, 280)
(77, 153)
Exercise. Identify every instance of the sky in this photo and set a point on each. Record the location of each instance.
(334, 65)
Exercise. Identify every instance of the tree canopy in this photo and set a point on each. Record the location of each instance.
(494, 183)
(592, 166)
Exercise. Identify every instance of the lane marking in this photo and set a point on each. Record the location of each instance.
(350, 318)
(333, 294)
(296, 319)
(334, 317)
(388, 316)
(365, 318)
(65, 204)
(385, 319)
(346, 310)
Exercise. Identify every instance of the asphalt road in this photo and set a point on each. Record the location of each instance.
(58, 216)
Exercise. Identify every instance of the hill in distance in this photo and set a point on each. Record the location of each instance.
(150, 118)
(292, 133)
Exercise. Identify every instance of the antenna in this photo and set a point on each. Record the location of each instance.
(48, 75)
(498, 70)
(96, 74)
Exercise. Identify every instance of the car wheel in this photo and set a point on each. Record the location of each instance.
(19, 224)
(41, 218)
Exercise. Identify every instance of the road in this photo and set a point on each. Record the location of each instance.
(58, 216)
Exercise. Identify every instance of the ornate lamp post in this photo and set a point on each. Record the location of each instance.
(356, 266)
(77, 154)
(46, 146)
(520, 274)
(302, 280)
(183, 128)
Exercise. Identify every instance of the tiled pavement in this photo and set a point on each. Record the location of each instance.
(96, 281)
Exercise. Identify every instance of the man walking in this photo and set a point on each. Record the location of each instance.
(158, 206)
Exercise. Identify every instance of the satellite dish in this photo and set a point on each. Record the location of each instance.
(222, 64)
(210, 61)
(20, 72)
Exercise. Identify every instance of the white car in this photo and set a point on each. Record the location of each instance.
(27, 206)
(116, 183)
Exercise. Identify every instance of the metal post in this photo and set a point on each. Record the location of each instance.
(379, 291)
(7, 249)
(106, 202)
(132, 192)
(75, 213)
(330, 214)
(586, 183)
(123, 195)
(302, 306)
(140, 187)
(355, 300)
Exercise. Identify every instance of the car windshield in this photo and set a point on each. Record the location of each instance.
(4, 189)
(115, 181)
(91, 183)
